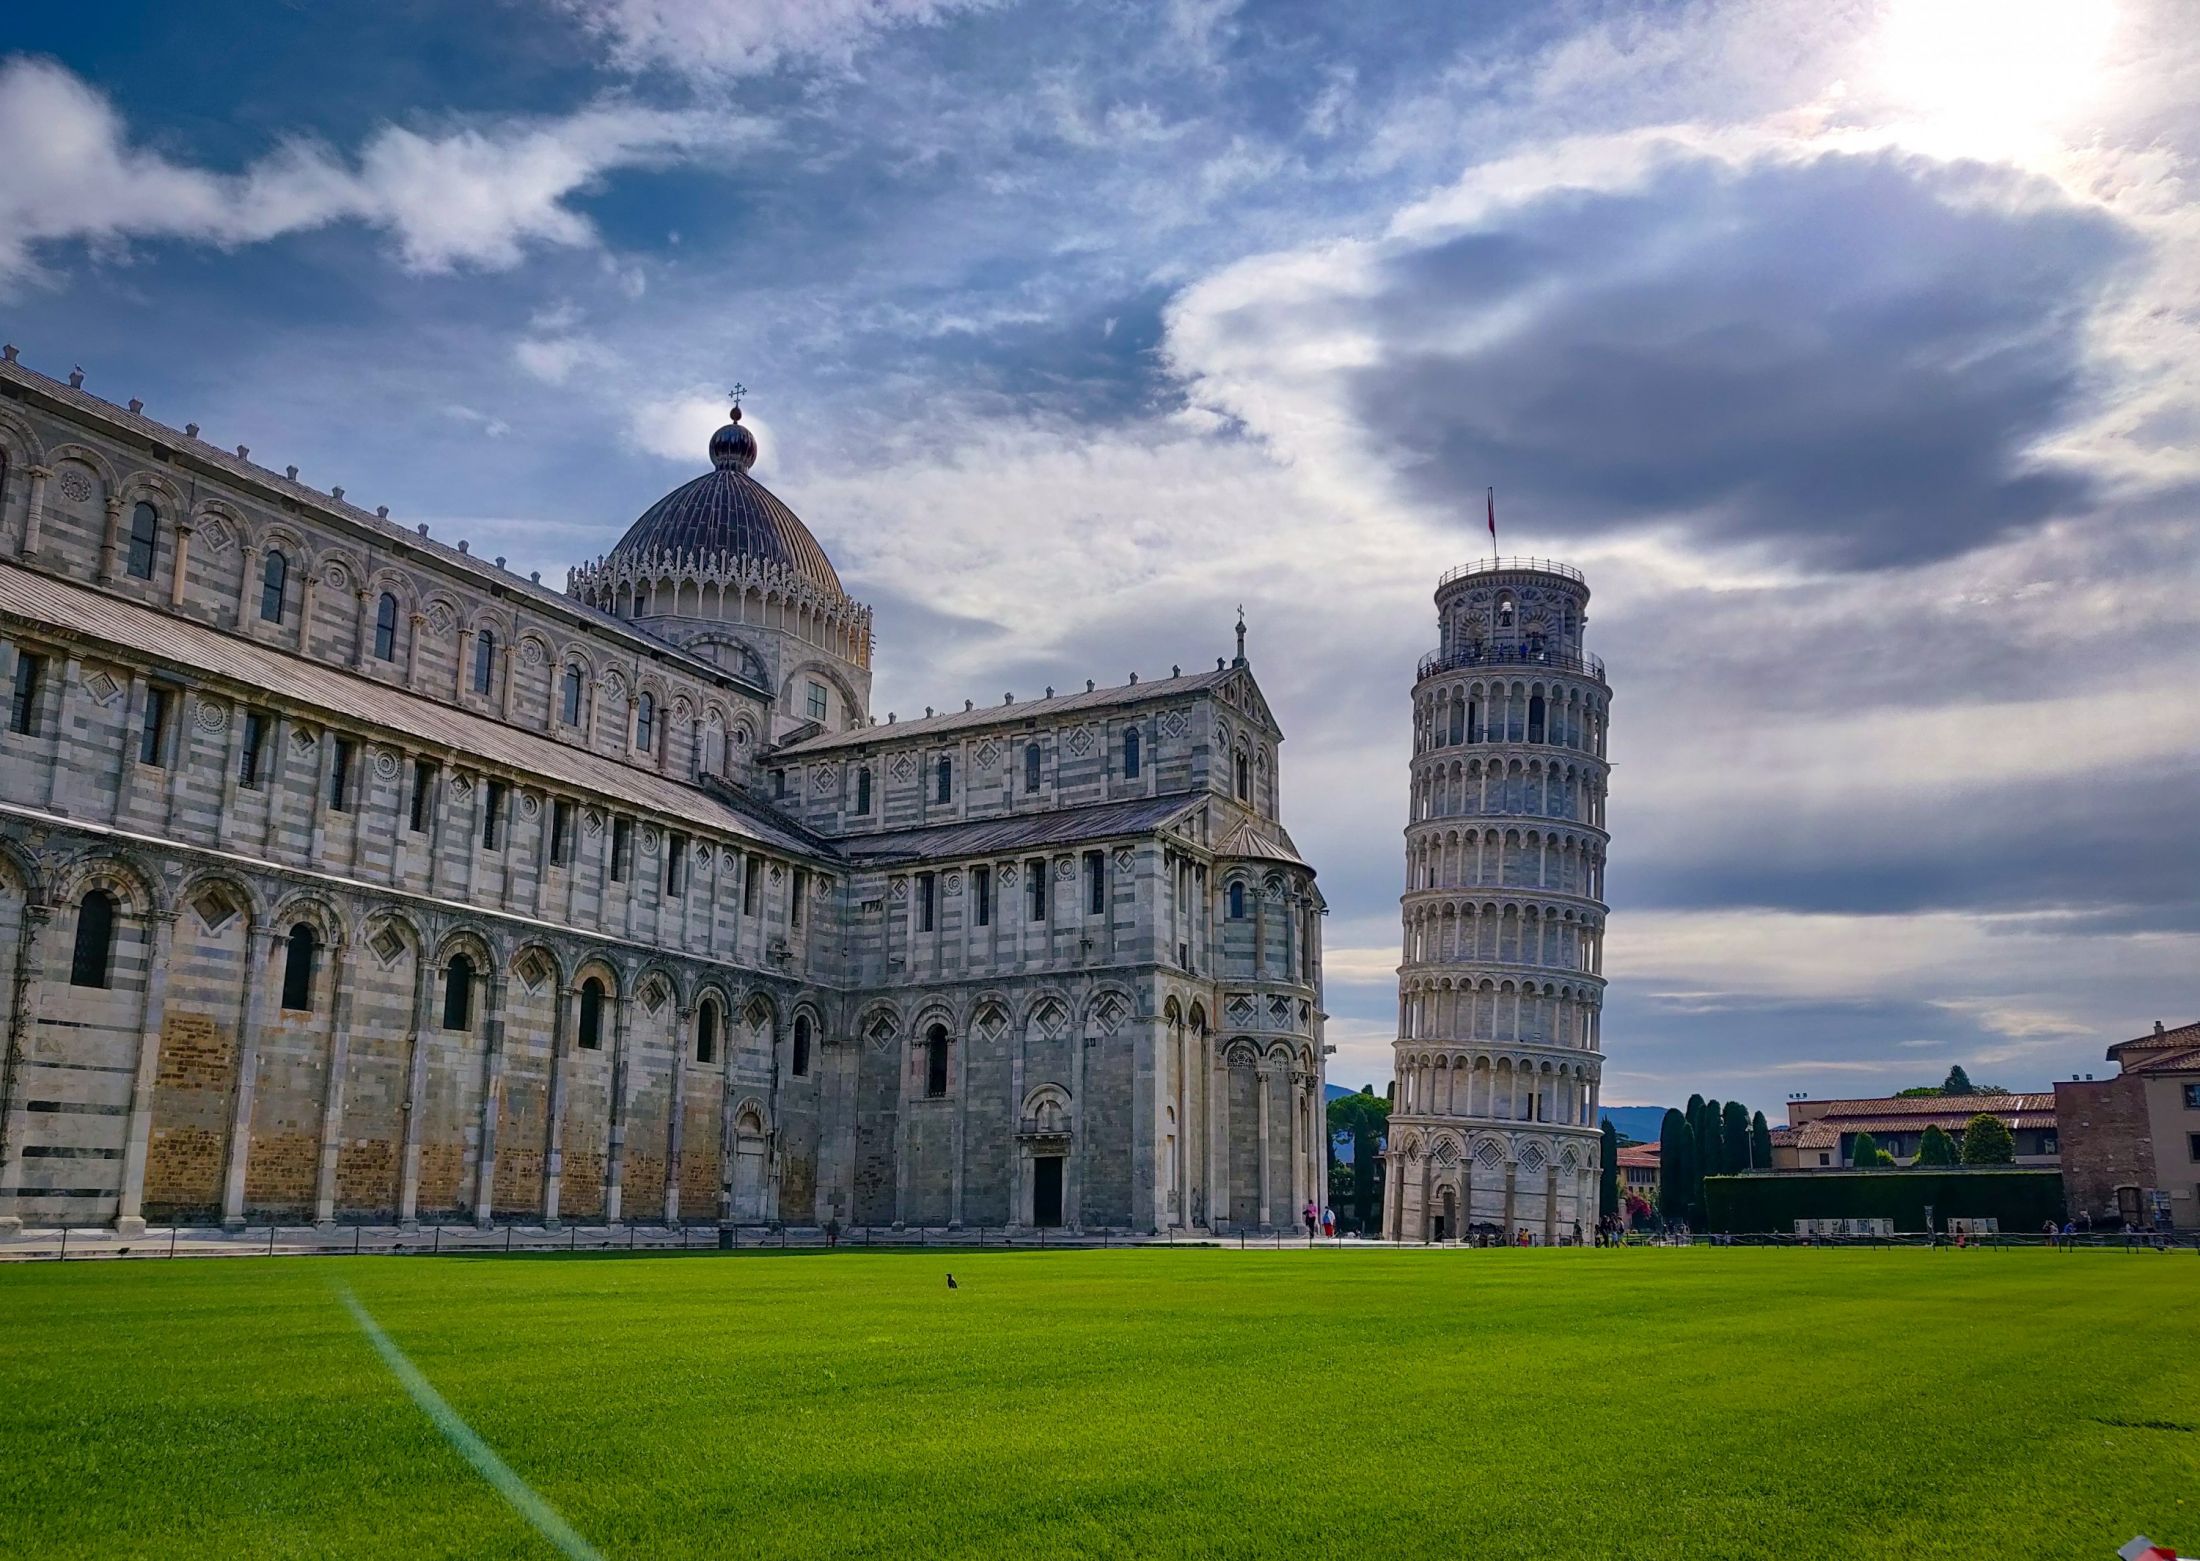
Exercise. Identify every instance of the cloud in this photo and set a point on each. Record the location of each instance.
(1854, 358)
(476, 195)
(749, 37)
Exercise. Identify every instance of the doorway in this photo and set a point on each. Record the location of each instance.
(1046, 1190)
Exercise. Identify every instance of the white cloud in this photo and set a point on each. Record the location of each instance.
(749, 37)
(471, 195)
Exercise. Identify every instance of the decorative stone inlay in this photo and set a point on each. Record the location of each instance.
(461, 787)
(898, 888)
(301, 741)
(214, 533)
(101, 688)
(1173, 724)
(953, 884)
(1080, 743)
(529, 805)
(1279, 1011)
(823, 778)
(1065, 868)
(653, 997)
(1531, 1159)
(212, 714)
(1240, 1009)
(530, 652)
(440, 619)
(592, 821)
(683, 709)
(904, 766)
(387, 946)
(336, 574)
(214, 908)
(385, 764)
(1109, 1013)
(988, 754)
(1123, 859)
(779, 875)
(75, 484)
(532, 971)
(649, 837)
(1008, 875)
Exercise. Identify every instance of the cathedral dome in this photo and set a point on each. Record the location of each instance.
(726, 513)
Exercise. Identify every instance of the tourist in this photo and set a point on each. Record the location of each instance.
(1329, 1222)
(1308, 1215)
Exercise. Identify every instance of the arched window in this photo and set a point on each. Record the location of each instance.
(93, 958)
(144, 540)
(801, 1046)
(1535, 718)
(458, 993)
(641, 601)
(274, 575)
(935, 1062)
(1130, 754)
(1031, 767)
(645, 723)
(945, 776)
(863, 789)
(1244, 778)
(1237, 900)
(485, 659)
(706, 1030)
(572, 701)
(1458, 722)
(298, 957)
(1504, 610)
(385, 628)
(591, 1036)
(1474, 720)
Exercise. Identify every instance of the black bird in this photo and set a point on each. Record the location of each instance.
(951, 1283)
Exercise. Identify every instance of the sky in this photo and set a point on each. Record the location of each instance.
(1851, 349)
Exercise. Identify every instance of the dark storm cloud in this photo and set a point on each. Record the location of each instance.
(1848, 357)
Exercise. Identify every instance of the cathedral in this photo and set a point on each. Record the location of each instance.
(348, 876)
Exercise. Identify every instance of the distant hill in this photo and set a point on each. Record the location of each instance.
(1338, 1092)
(1637, 1122)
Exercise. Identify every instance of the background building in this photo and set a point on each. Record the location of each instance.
(2131, 1144)
(346, 875)
(1824, 1132)
(1499, 991)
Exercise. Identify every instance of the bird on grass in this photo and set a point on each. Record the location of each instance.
(951, 1283)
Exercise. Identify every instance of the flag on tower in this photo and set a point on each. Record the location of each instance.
(1493, 522)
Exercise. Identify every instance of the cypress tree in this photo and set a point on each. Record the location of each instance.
(1676, 1168)
(1988, 1141)
(1935, 1147)
(1734, 1137)
(1760, 1143)
(1608, 1184)
(1865, 1153)
(1710, 1153)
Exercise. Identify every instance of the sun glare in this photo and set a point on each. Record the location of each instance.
(1992, 78)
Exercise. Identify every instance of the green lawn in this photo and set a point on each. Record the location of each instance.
(1701, 1403)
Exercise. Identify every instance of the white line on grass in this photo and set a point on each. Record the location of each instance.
(461, 1436)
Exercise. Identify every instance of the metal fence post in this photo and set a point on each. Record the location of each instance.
(171, 1241)
(63, 1255)
(438, 1241)
(270, 1238)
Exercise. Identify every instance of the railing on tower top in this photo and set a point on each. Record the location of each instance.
(1440, 660)
(1484, 566)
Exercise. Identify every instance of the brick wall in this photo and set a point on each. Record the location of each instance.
(2105, 1142)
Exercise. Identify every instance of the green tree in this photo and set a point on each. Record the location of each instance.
(1608, 1183)
(1865, 1153)
(1987, 1141)
(1760, 1143)
(1710, 1143)
(1734, 1134)
(1935, 1147)
(1366, 1117)
(1958, 1082)
(1676, 1166)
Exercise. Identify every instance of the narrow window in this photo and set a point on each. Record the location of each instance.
(981, 895)
(572, 697)
(485, 659)
(622, 848)
(944, 779)
(863, 790)
(927, 885)
(1096, 883)
(23, 713)
(645, 723)
(385, 628)
(1474, 720)
(817, 702)
(935, 1062)
(458, 993)
(801, 893)
(492, 814)
(676, 847)
(706, 1030)
(752, 869)
(641, 601)
(423, 789)
(591, 1036)
(153, 736)
(1505, 610)
(1031, 767)
(339, 775)
(561, 832)
(1130, 754)
(95, 940)
(144, 540)
(1035, 880)
(801, 1046)
(1244, 779)
(779, 784)
(248, 756)
(298, 957)
(1237, 900)
(274, 575)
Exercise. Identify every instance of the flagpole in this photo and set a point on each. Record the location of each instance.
(1493, 524)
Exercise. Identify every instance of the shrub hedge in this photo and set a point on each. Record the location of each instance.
(1772, 1201)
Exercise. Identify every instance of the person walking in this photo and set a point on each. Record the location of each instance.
(1329, 1222)
(1309, 1216)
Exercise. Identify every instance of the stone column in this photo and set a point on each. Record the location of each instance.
(243, 613)
(332, 1110)
(130, 1212)
(1512, 1180)
(621, 1065)
(412, 650)
(34, 517)
(182, 563)
(416, 1089)
(359, 641)
(110, 541)
(683, 1038)
(1262, 1080)
(260, 945)
(492, 1097)
(1219, 1209)
(561, 1083)
(1299, 1195)
(23, 993)
(1466, 1197)
(1550, 1202)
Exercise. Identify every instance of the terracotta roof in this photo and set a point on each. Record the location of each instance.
(983, 716)
(1018, 832)
(1782, 1137)
(80, 613)
(1639, 1155)
(1825, 1132)
(1964, 1107)
(2163, 1051)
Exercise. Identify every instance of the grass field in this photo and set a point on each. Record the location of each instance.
(1697, 1403)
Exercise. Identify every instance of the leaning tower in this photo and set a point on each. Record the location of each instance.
(1494, 1128)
